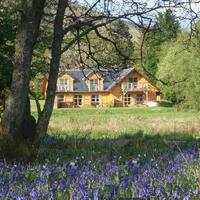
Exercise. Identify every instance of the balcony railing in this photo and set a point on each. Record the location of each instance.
(134, 86)
(62, 88)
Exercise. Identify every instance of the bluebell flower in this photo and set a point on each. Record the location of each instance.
(34, 195)
(124, 182)
(187, 197)
(63, 184)
(83, 193)
(21, 198)
(96, 194)
(158, 192)
(53, 191)
(176, 195)
(99, 179)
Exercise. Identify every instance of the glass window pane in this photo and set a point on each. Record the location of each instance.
(93, 84)
(95, 99)
(139, 98)
(131, 80)
(77, 100)
(127, 99)
(63, 81)
(60, 98)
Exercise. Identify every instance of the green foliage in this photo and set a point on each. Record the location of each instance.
(165, 29)
(180, 69)
(122, 53)
(40, 64)
(151, 61)
(41, 59)
(7, 37)
(41, 54)
(107, 54)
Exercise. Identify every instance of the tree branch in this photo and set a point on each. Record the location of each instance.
(36, 101)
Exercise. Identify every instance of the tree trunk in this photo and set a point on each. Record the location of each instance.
(44, 118)
(17, 103)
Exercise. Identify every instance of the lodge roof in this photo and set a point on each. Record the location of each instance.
(110, 77)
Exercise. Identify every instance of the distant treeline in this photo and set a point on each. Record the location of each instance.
(172, 60)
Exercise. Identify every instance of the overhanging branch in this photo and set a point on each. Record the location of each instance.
(36, 101)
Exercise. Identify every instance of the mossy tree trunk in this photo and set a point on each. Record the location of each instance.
(17, 121)
(44, 117)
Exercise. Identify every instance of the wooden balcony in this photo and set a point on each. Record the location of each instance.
(134, 87)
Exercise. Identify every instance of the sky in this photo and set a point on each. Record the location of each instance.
(183, 13)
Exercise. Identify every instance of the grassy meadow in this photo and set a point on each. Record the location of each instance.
(121, 131)
(111, 153)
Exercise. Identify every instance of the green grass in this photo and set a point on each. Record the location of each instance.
(124, 132)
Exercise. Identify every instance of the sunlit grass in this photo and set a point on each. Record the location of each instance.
(122, 132)
(159, 119)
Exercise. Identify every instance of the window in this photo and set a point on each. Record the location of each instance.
(139, 98)
(135, 79)
(95, 99)
(133, 82)
(61, 98)
(94, 84)
(62, 87)
(77, 100)
(63, 81)
(60, 101)
(127, 99)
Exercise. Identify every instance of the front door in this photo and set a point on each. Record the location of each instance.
(140, 98)
(127, 100)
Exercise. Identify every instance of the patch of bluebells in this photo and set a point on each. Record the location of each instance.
(163, 178)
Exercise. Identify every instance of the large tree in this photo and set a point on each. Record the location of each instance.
(17, 120)
(165, 29)
(179, 67)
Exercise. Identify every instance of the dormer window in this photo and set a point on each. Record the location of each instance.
(63, 82)
(62, 86)
(94, 84)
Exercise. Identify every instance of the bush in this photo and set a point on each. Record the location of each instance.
(165, 103)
